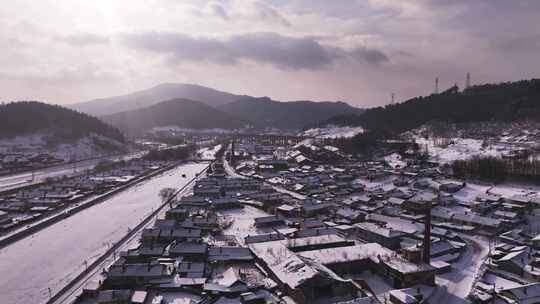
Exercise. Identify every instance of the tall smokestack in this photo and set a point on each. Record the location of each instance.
(232, 151)
(426, 256)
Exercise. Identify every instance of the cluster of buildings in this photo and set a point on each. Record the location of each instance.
(230, 242)
(309, 224)
(12, 162)
(383, 200)
(20, 207)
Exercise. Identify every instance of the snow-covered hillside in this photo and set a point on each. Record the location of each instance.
(460, 148)
(331, 131)
(459, 142)
(93, 145)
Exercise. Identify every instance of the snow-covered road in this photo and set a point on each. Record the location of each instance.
(56, 254)
(454, 287)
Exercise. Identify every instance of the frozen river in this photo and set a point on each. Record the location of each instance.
(53, 256)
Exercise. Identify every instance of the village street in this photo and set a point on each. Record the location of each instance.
(455, 286)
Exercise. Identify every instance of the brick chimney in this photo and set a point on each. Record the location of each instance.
(426, 256)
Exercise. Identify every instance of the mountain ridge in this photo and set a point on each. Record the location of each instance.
(262, 112)
(147, 97)
(183, 113)
(265, 112)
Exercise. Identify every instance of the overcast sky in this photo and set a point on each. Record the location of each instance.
(66, 51)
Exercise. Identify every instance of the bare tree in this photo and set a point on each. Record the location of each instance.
(166, 193)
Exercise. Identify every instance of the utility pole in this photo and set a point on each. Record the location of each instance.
(393, 98)
(436, 85)
(468, 81)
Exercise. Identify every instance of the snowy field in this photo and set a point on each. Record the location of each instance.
(53, 256)
(460, 148)
(333, 132)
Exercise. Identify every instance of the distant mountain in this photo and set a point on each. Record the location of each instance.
(183, 113)
(264, 112)
(29, 117)
(148, 97)
(510, 101)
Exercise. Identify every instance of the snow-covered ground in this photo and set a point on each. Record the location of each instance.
(30, 266)
(209, 152)
(454, 287)
(331, 131)
(499, 282)
(461, 141)
(460, 148)
(471, 191)
(243, 221)
(394, 160)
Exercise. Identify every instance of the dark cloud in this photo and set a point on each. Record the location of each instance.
(270, 48)
(218, 10)
(84, 39)
(369, 55)
(270, 14)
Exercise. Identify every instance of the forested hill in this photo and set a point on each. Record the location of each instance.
(182, 113)
(509, 101)
(28, 117)
(265, 112)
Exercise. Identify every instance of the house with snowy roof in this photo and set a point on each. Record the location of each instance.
(396, 270)
(195, 252)
(387, 237)
(304, 280)
(228, 283)
(126, 275)
(526, 294)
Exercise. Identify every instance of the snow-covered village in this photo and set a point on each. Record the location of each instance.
(270, 152)
(287, 219)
